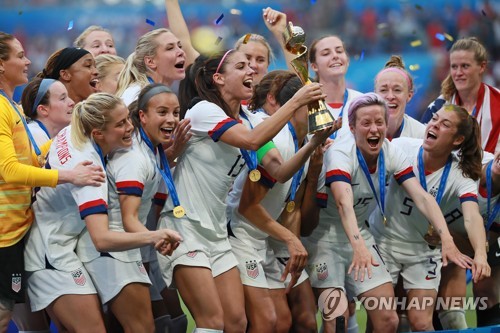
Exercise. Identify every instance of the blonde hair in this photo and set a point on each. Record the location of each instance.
(80, 40)
(92, 113)
(104, 61)
(470, 44)
(135, 68)
(259, 39)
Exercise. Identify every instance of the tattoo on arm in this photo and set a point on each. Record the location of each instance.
(440, 231)
(356, 237)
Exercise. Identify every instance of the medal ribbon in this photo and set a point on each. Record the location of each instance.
(381, 178)
(249, 156)
(346, 96)
(164, 168)
(28, 132)
(444, 176)
(298, 175)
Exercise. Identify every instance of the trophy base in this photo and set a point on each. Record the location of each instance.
(320, 120)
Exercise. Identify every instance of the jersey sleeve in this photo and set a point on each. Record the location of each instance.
(209, 119)
(338, 165)
(11, 170)
(129, 177)
(321, 193)
(400, 164)
(161, 195)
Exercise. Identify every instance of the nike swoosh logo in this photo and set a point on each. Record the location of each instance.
(17, 122)
(497, 254)
(430, 277)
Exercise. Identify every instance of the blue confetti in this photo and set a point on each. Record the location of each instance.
(219, 39)
(313, 2)
(152, 23)
(220, 18)
(441, 37)
(70, 25)
(362, 56)
(484, 13)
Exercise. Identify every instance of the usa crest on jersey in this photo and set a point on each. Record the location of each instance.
(142, 269)
(16, 282)
(252, 269)
(79, 277)
(192, 254)
(322, 271)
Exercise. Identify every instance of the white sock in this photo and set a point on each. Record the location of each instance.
(178, 324)
(453, 319)
(206, 330)
(352, 324)
(162, 324)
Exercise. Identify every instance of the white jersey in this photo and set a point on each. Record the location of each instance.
(130, 171)
(412, 128)
(456, 225)
(60, 211)
(335, 109)
(406, 225)
(341, 164)
(274, 202)
(39, 135)
(131, 93)
(205, 172)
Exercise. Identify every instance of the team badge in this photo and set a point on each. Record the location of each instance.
(252, 269)
(79, 277)
(192, 254)
(321, 271)
(16, 282)
(142, 269)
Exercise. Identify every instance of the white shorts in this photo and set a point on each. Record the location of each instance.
(157, 283)
(111, 275)
(46, 285)
(259, 267)
(419, 269)
(200, 248)
(329, 263)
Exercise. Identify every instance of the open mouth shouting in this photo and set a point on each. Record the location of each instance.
(167, 131)
(93, 83)
(248, 83)
(373, 141)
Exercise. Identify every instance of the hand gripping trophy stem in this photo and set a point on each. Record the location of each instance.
(318, 115)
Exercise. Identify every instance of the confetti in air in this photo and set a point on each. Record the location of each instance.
(416, 43)
(381, 26)
(219, 39)
(415, 67)
(362, 56)
(484, 13)
(70, 25)
(150, 22)
(313, 2)
(440, 37)
(219, 19)
(448, 37)
(247, 38)
(235, 11)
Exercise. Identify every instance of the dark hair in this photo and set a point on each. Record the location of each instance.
(29, 96)
(187, 87)
(204, 81)
(470, 152)
(281, 84)
(60, 60)
(5, 38)
(143, 99)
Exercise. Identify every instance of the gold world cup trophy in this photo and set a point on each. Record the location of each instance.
(295, 38)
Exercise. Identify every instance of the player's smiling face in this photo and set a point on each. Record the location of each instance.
(161, 118)
(441, 131)
(118, 132)
(236, 82)
(331, 58)
(370, 130)
(393, 87)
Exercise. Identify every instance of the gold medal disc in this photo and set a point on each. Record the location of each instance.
(254, 175)
(179, 212)
(290, 206)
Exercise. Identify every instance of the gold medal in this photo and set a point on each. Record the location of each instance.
(385, 221)
(179, 212)
(290, 206)
(41, 160)
(254, 175)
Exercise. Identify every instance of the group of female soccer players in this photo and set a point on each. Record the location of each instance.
(113, 205)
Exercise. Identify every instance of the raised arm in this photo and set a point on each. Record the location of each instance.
(276, 22)
(179, 28)
(431, 210)
(473, 222)
(242, 137)
(309, 207)
(362, 259)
